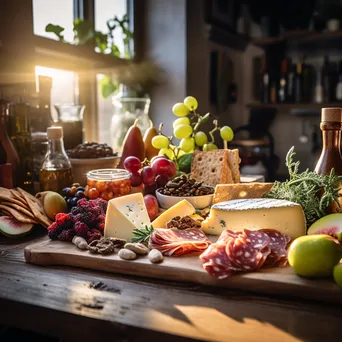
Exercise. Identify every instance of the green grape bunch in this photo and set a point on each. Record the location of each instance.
(186, 128)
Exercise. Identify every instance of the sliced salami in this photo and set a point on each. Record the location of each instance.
(278, 243)
(216, 271)
(257, 239)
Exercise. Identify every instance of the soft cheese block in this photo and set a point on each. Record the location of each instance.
(182, 208)
(257, 213)
(124, 214)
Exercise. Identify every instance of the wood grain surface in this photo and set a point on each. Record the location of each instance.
(62, 302)
(187, 268)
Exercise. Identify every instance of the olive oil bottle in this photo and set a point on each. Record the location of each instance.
(55, 173)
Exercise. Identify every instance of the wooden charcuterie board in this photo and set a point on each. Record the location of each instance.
(187, 268)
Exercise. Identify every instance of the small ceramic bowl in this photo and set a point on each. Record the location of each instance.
(199, 202)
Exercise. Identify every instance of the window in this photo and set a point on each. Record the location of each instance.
(105, 10)
(64, 86)
(57, 12)
(108, 9)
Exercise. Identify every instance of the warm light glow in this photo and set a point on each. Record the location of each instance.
(64, 86)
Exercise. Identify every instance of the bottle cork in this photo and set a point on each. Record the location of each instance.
(55, 132)
(331, 115)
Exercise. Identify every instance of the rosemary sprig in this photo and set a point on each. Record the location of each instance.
(142, 234)
(315, 193)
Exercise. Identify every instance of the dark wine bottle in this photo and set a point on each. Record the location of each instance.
(291, 83)
(265, 84)
(308, 82)
(283, 82)
(326, 80)
(298, 83)
(338, 92)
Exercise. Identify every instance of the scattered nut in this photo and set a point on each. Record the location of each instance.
(183, 223)
(102, 246)
(80, 242)
(127, 254)
(137, 248)
(117, 242)
(155, 256)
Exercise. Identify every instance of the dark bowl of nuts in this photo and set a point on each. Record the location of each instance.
(89, 156)
(185, 187)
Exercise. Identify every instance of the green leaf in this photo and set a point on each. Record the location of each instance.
(115, 50)
(56, 29)
(83, 31)
(108, 87)
(184, 162)
(101, 41)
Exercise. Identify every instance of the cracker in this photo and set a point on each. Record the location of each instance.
(8, 211)
(17, 207)
(226, 192)
(234, 164)
(18, 196)
(211, 167)
(36, 208)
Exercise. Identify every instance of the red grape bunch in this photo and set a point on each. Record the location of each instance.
(152, 177)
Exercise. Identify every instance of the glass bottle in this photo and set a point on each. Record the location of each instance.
(265, 83)
(298, 83)
(70, 117)
(9, 158)
(331, 124)
(55, 173)
(21, 137)
(283, 82)
(326, 80)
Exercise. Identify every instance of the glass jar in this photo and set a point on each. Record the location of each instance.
(126, 111)
(70, 118)
(108, 183)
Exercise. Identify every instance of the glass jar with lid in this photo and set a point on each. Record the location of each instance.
(108, 183)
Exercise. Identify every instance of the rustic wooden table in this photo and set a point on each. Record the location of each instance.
(80, 305)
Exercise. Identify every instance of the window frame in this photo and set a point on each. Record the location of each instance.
(21, 50)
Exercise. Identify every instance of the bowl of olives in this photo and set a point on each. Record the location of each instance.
(89, 155)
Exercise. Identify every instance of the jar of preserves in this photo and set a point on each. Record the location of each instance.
(108, 183)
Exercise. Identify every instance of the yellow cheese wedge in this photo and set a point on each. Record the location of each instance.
(258, 213)
(124, 214)
(182, 208)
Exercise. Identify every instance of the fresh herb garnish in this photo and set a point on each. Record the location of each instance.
(142, 234)
(222, 223)
(315, 193)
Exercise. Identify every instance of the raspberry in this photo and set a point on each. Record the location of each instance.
(100, 219)
(64, 220)
(82, 203)
(99, 202)
(66, 235)
(81, 229)
(93, 234)
(89, 218)
(54, 230)
(100, 226)
(97, 211)
(77, 218)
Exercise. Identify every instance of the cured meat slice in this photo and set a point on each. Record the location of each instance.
(278, 243)
(258, 239)
(177, 242)
(216, 271)
(243, 255)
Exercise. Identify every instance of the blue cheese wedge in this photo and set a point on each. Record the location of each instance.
(258, 213)
(124, 214)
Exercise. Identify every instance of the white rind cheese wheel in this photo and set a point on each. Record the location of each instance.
(258, 213)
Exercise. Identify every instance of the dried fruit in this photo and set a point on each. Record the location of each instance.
(10, 227)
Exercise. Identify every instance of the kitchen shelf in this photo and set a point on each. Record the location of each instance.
(283, 106)
(303, 36)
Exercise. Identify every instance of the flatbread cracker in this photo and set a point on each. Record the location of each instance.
(234, 164)
(17, 207)
(8, 211)
(227, 192)
(18, 196)
(36, 208)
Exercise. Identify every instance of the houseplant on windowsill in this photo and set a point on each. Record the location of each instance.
(129, 85)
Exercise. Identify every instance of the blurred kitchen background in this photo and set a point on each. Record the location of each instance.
(264, 67)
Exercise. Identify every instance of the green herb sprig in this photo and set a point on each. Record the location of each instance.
(314, 192)
(142, 234)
